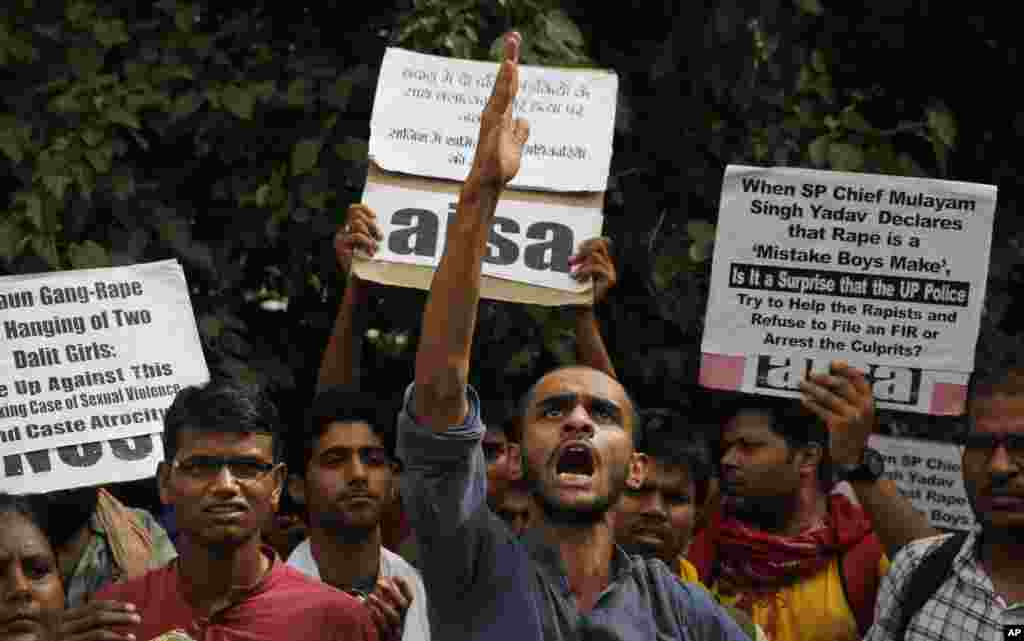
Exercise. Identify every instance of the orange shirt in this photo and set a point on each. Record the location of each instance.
(813, 609)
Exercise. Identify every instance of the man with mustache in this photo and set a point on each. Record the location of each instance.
(803, 561)
(977, 591)
(349, 481)
(565, 578)
(223, 475)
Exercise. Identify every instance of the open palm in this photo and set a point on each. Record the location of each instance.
(500, 146)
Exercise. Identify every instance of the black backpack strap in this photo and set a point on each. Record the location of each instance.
(927, 578)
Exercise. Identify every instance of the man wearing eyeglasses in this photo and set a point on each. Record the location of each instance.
(977, 589)
(223, 476)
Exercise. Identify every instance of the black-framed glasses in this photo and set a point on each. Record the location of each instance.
(207, 468)
(985, 442)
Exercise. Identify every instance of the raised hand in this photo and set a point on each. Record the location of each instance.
(500, 145)
(843, 400)
(360, 231)
(593, 263)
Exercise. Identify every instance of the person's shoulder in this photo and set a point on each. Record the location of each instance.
(396, 564)
(911, 556)
(138, 590)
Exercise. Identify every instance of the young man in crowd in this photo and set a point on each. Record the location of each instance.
(656, 519)
(99, 541)
(565, 579)
(349, 481)
(802, 561)
(971, 585)
(223, 475)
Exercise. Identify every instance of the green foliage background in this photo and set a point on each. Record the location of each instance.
(233, 138)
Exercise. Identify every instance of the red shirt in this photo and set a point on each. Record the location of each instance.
(285, 605)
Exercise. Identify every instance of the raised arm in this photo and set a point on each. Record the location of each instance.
(593, 263)
(340, 363)
(843, 400)
(442, 361)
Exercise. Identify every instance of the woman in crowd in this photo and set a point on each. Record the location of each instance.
(31, 596)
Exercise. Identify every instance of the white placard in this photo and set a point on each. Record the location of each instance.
(93, 355)
(84, 465)
(929, 475)
(895, 388)
(531, 241)
(426, 118)
(823, 264)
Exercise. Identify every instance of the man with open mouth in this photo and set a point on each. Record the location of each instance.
(565, 578)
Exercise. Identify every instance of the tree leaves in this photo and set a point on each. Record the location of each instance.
(88, 254)
(845, 157)
(304, 155)
(119, 115)
(238, 101)
(943, 125)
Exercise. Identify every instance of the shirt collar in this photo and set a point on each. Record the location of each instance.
(550, 561)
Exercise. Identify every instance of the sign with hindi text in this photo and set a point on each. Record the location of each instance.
(426, 119)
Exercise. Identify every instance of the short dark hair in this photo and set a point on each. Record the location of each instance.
(666, 437)
(222, 405)
(344, 405)
(790, 420)
(501, 415)
(22, 506)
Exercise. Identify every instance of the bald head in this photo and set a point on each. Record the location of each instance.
(588, 377)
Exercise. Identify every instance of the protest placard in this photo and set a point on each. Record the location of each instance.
(884, 271)
(83, 465)
(426, 118)
(93, 355)
(533, 235)
(929, 475)
(423, 132)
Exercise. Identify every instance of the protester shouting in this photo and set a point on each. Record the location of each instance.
(565, 579)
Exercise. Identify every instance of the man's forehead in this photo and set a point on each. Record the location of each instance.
(192, 439)
(668, 474)
(348, 434)
(748, 421)
(1003, 413)
(580, 382)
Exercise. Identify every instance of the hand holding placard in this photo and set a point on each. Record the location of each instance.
(500, 147)
(593, 262)
(360, 232)
(843, 400)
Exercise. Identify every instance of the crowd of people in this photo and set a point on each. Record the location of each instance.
(573, 514)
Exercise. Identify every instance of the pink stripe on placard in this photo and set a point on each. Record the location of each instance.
(718, 371)
(948, 399)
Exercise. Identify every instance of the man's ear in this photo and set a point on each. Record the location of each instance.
(297, 488)
(280, 478)
(515, 462)
(163, 480)
(639, 467)
(811, 456)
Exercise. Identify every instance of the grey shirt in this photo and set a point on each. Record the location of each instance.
(487, 584)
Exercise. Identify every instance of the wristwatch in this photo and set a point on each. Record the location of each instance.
(870, 468)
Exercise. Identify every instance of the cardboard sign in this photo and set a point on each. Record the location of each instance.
(93, 355)
(426, 119)
(83, 465)
(532, 235)
(812, 266)
(929, 475)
